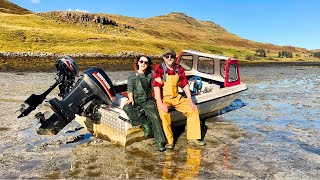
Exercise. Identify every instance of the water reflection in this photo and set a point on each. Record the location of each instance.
(189, 170)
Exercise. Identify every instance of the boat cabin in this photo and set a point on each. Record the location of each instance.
(216, 69)
(203, 70)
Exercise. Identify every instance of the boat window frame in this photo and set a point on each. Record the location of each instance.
(223, 64)
(235, 69)
(213, 64)
(181, 62)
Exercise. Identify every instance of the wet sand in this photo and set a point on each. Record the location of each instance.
(272, 132)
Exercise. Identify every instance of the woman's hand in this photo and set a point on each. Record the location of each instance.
(130, 101)
(163, 107)
(130, 98)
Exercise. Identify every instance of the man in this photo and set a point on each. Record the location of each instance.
(167, 77)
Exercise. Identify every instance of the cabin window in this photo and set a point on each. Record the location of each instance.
(222, 66)
(186, 62)
(206, 65)
(233, 73)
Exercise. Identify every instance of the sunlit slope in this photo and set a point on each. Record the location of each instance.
(206, 34)
(34, 33)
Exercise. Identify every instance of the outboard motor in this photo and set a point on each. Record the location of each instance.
(67, 71)
(95, 85)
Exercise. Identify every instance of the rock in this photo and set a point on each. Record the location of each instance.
(120, 54)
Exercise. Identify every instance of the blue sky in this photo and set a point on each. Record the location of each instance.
(280, 22)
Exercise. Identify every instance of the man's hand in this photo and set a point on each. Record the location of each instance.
(130, 101)
(157, 96)
(163, 107)
(188, 93)
(193, 106)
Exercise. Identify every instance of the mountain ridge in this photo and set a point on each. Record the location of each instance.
(228, 37)
(9, 7)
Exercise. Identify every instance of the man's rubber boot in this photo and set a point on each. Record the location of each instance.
(160, 147)
(170, 146)
(196, 142)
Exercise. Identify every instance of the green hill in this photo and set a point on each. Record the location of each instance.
(75, 32)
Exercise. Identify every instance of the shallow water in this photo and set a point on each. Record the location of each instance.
(272, 132)
(281, 121)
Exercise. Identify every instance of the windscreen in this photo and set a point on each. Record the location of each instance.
(233, 74)
(186, 62)
(206, 65)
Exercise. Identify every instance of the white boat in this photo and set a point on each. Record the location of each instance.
(213, 79)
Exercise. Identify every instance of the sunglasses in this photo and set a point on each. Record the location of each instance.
(145, 62)
(170, 56)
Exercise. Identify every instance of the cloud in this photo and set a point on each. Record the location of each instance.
(78, 10)
(35, 1)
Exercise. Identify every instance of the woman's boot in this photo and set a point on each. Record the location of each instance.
(160, 146)
(146, 128)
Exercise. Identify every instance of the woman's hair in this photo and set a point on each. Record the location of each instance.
(150, 64)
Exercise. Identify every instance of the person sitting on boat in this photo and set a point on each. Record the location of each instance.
(167, 77)
(140, 106)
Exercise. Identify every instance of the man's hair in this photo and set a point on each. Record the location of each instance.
(169, 51)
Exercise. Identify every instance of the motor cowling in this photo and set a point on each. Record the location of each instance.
(67, 71)
(94, 85)
(68, 67)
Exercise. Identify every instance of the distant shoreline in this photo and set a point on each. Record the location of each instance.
(108, 63)
(279, 63)
(47, 63)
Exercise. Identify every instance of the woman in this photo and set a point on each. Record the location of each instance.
(140, 106)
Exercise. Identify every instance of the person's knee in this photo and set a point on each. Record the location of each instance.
(127, 108)
(194, 112)
(153, 117)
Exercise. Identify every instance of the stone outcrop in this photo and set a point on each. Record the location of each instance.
(80, 17)
(120, 54)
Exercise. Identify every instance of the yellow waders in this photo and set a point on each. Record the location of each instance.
(181, 104)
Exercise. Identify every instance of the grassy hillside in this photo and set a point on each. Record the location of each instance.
(52, 34)
(35, 33)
